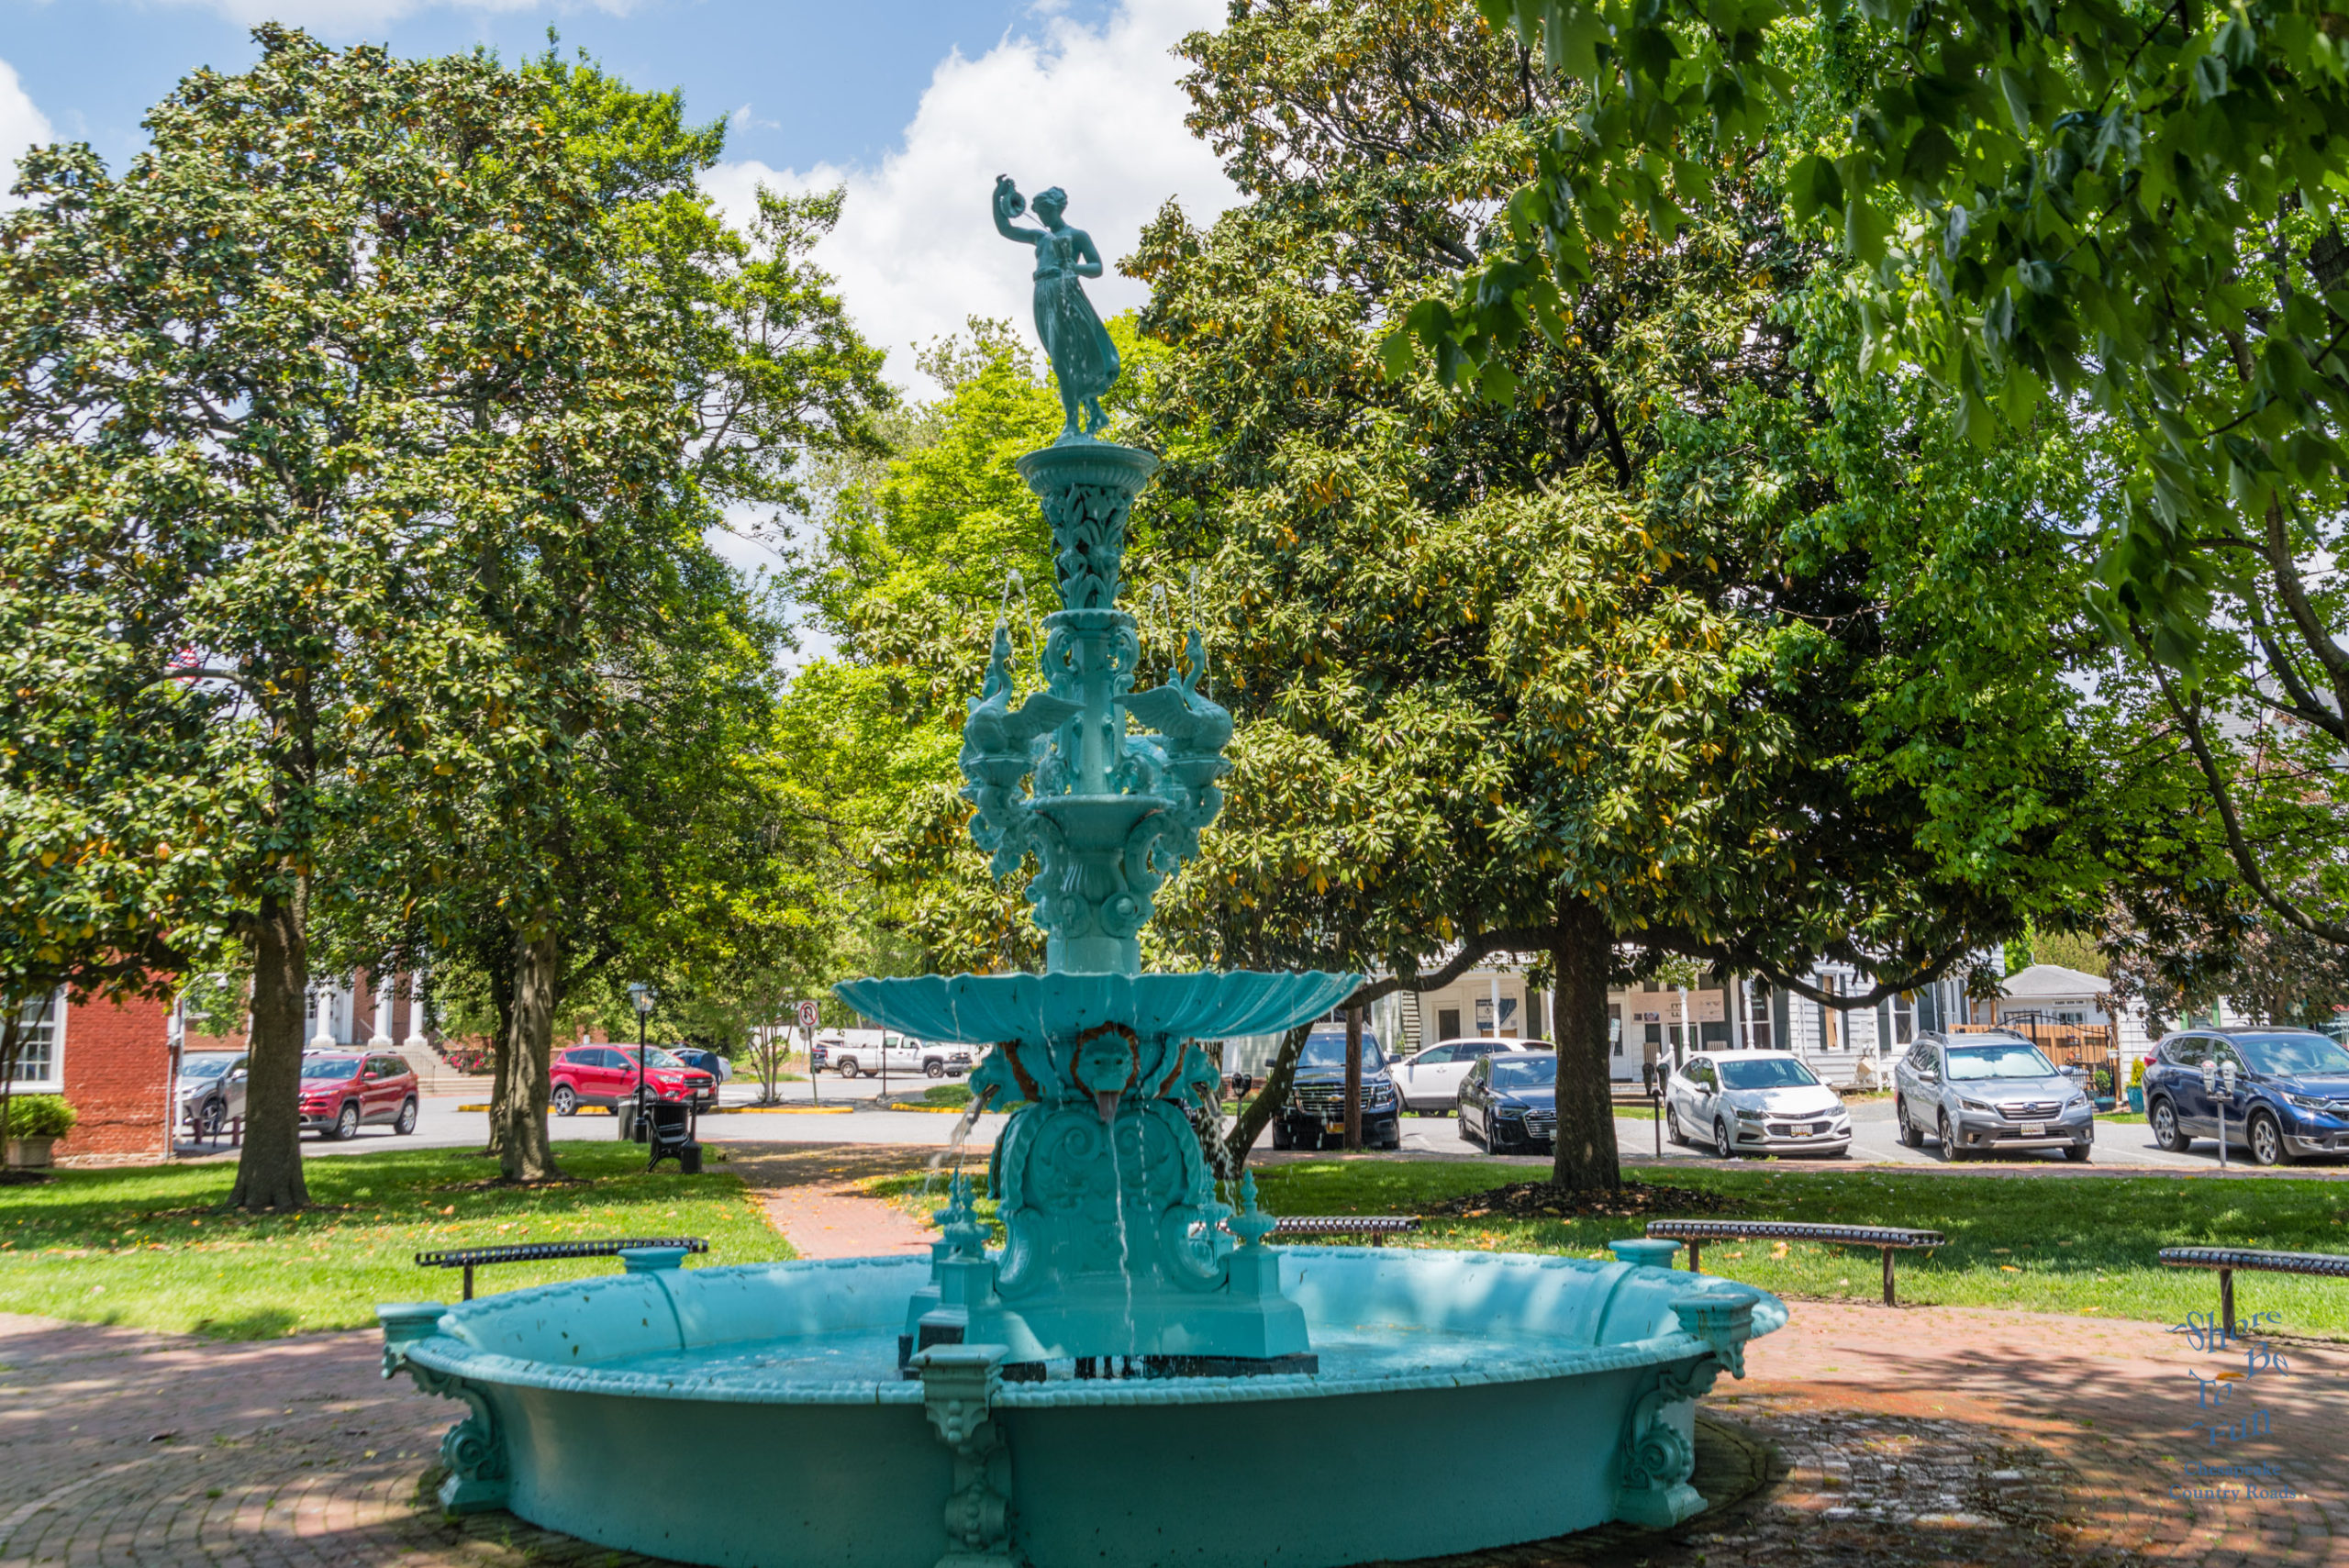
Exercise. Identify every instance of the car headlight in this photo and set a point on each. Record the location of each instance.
(1508, 1110)
(2309, 1103)
(1972, 1105)
(1744, 1115)
(2076, 1102)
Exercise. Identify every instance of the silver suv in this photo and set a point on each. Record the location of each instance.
(211, 1089)
(1985, 1094)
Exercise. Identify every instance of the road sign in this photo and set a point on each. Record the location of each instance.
(807, 1014)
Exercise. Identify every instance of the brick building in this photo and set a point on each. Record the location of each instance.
(113, 1064)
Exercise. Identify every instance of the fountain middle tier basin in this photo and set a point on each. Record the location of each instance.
(757, 1414)
(984, 1009)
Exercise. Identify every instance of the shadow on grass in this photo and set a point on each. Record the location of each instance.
(259, 1323)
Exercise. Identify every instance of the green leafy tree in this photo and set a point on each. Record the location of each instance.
(654, 840)
(338, 344)
(1669, 655)
(2126, 214)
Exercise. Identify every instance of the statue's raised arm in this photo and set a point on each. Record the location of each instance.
(1009, 203)
(1083, 360)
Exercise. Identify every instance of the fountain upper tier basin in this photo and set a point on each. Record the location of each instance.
(755, 1415)
(984, 1009)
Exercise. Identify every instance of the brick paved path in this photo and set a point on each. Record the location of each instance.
(1923, 1436)
(810, 1194)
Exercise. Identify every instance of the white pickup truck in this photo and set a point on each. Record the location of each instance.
(861, 1052)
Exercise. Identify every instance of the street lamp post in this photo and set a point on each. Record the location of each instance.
(641, 995)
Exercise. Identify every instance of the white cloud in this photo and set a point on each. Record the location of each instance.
(21, 125)
(1095, 110)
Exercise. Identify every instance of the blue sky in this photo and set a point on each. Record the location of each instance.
(820, 82)
(913, 105)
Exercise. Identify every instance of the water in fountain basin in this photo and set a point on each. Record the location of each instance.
(1347, 1351)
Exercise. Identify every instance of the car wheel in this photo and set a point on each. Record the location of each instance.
(2266, 1139)
(213, 1118)
(1723, 1148)
(2078, 1153)
(346, 1125)
(847, 1068)
(1281, 1138)
(1911, 1135)
(933, 1068)
(1950, 1151)
(567, 1100)
(2166, 1135)
(1671, 1125)
(406, 1122)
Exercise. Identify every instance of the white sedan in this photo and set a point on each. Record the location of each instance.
(1429, 1080)
(1757, 1101)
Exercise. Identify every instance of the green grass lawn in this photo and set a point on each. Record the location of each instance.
(2084, 1245)
(2033, 1244)
(151, 1247)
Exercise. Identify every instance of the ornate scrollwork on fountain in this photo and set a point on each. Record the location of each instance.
(474, 1449)
(1658, 1456)
(958, 1386)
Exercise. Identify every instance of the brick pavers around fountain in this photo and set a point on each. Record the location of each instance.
(1917, 1436)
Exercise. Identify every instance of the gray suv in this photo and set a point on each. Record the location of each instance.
(1985, 1094)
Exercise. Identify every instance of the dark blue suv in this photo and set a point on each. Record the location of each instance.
(1315, 1115)
(2291, 1094)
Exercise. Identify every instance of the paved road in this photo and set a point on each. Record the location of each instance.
(444, 1125)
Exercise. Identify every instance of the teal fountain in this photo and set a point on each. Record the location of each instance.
(1136, 1358)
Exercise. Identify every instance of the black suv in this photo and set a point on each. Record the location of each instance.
(1315, 1114)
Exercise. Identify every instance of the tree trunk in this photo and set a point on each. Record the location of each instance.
(501, 1004)
(1583, 950)
(1248, 1125)
(10, 1030)
(1353, 1080)
(269, 1170)
(519, 1114)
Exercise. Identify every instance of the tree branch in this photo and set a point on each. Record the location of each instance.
(2239, 849)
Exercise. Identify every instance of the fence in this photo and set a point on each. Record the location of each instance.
(2066, 1045)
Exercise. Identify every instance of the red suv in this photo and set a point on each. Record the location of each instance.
(343, 1091)
(606, 1075)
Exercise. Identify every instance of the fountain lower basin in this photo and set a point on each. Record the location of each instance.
(756, 1414)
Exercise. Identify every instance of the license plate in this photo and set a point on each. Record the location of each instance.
(2034, 1129)
(1338, 1124)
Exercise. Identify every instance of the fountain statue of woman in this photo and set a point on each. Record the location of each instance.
(1085, 362)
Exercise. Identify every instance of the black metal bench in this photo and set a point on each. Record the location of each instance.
(1888, 1239)
(470, 1258)
(1378, 1227)
(2227, 1259)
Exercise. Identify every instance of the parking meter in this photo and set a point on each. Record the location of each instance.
(2209, 1077)
(2227, 1073)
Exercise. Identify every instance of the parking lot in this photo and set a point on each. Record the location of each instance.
(847, 1113)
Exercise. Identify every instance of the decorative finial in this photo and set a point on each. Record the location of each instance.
(1083, 360)
(1252, 1224)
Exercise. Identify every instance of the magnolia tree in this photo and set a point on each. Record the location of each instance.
(295, 408)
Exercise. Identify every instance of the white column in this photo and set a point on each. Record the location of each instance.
(381, 1039)
(415, 1040)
